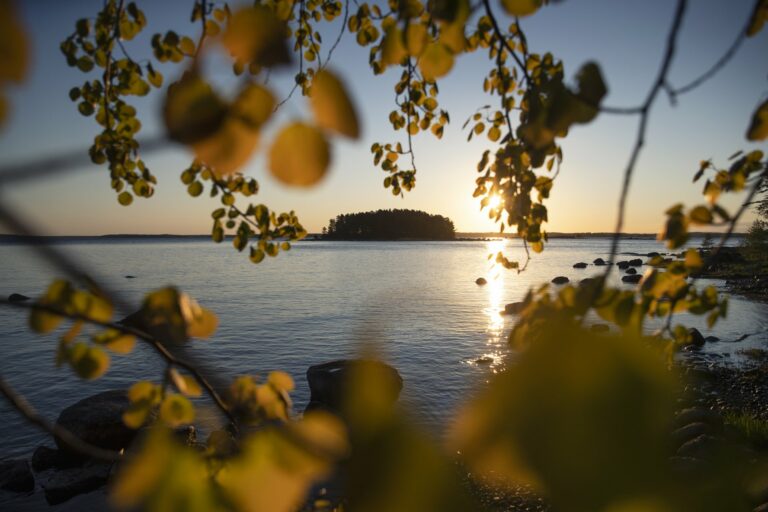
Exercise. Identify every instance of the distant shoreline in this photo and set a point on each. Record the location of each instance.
(460, 237)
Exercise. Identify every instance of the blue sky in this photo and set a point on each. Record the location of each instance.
(626, 38)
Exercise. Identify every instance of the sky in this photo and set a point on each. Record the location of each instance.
(627, 39)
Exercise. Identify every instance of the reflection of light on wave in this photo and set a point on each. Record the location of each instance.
(495, 289)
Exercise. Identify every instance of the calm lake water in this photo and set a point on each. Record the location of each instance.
(416, 302)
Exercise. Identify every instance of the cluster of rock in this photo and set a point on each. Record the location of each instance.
(98, 420)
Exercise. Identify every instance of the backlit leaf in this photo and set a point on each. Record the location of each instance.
(521, 7)
(299, 155)
(758, 128)
(758, 18)
(436, 61)
(256, 35)
(332, 106)
(88, 362)
(186, 384)
(176, 410)
(192, 110)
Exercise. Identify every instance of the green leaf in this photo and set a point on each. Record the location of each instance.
(300, 155)
(332, 106)
(195, 188)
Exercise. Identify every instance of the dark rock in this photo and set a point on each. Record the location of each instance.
(631, 271)
(687, 465)
(696, 337)
(98, 420)
(690, 431)
(637, 262)
(580, 265)
(698, 415)
(700, 447)
(46, 458)
(329, 382)
(633, 279)
(17, 297)
(560, 280)
(711, 338)
(484, 360)
(513, 308)
(587, 280)
(623, 265)
(69, 483)
(653, 254)
(130, 277)
(599, 262)
(481, 281)
(599, 328)
(16, 476)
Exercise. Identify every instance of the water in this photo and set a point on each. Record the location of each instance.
(416, 302)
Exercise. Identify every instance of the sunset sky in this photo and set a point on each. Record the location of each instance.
(626, 38)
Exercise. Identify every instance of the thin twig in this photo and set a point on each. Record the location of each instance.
(155, 343)
(500, 36)
(62, 434)
(640, 139)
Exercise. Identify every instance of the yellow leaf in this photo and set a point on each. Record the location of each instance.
(192, 110)
(229, 148)
(521, 7)
(177, 410)
(415, 38)
(187, 46)
(88, 362)
(392, 49)
(43, 322)
(436, 61)
(186, 384)
(203, 324)
(256, 35)
(281, 381)
(254, 106)
(759, 17)
(116, 341)
(332, 106)
(13, 45)
(299, 155)
(693, 259)
(136, 415)
(758, 128)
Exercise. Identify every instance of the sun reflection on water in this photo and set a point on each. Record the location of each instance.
(495, 342)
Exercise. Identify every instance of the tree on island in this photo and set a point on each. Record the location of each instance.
(390, 225)
(583, 418)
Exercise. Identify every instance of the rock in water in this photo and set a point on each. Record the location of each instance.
(600, 328)
(513, 308)
(46, 458)
(637, 262)
(633, 279)
(329, 382)
(623, 265)
(17, 297)
(98, 420)
(16, 476)
(599, 262)
(481, 281)
(631, 271)
(581, 264)
(697, 339)
(68, 483)
(560, 280)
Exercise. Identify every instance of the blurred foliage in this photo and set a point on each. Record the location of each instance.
(583, 418)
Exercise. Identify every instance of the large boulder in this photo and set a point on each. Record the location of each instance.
(68, 483)
(16, 476)
(98, 420)
(329, 382)
(600, 262)
(46, 458)
(632, 279)
(637, 262)
(560, 280)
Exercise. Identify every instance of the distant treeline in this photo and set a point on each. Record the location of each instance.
(390, 225)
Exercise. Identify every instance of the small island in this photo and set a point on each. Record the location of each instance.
(390, 225)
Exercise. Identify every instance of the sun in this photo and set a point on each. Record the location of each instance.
(494, 202)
